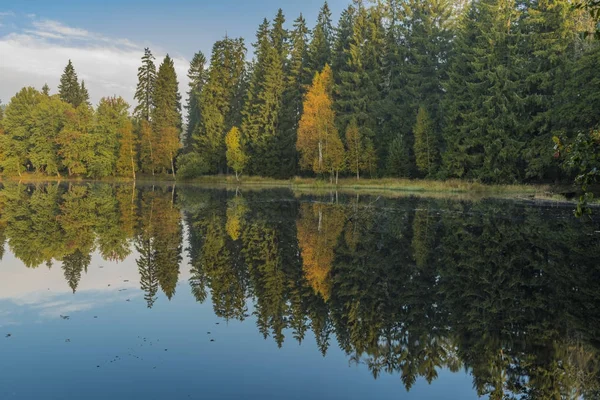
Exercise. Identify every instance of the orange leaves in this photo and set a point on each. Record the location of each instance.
(318, 141)
(318, 228)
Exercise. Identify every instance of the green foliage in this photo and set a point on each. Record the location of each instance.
(264, 99)
(360, 153)
(236, 157)
(426, 144)
(166, 116)
(191, 165)
(583, 157)
(357, 90)
(69, 89)
(145, 87)
(296, 69)
(197, 74)
(483, 128)
(220, 102)
(320, 48)
(497, 79)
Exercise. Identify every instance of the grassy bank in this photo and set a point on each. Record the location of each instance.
(388, 184)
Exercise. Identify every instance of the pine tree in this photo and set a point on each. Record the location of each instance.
(166, 116)
(69, 90)
(426, 144)
(145, 87)
(319, 51)
(46, 90)
(197, 74)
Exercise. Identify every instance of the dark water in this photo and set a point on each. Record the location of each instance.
(116, 292)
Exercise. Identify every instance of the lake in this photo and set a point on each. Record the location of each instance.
(115, 291)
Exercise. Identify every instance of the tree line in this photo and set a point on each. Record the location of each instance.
(401, 288)
(402, 88)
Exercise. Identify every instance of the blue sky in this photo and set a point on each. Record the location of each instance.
(105, 39)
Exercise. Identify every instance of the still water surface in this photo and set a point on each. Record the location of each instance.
(122, 292)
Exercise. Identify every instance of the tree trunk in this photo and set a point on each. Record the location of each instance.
(320, 156)
(133, 165)
(173, 166)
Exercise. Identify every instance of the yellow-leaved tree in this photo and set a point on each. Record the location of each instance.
(319, 144)
(236, 157)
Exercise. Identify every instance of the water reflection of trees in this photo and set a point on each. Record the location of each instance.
(46, 223)
(406, 287)
(409, 287)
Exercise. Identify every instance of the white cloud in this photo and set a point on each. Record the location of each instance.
(38, 54)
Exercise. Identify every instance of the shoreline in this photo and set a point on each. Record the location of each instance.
(453, 186)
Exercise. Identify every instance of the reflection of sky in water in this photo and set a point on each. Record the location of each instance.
(131, 352)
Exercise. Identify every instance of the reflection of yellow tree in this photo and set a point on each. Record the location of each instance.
(319, 227)
(236, 209)
(225, 278)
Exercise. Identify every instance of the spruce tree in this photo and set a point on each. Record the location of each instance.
(395, 108)
(319, 50)
(550, 27)
(198, 75)
(46, 90)
(84, 95)
(483, 101)
(166, 115)
(417, 45)
(219, 102)
(264, 101)
(359, 88)
(292, 99)
(69, 89)
(145, 87)
(426, 143)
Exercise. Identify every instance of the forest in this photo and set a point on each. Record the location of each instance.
(401, 288)
(495, 91)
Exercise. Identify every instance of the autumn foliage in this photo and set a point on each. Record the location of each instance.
(319, 144)
(319, 228)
